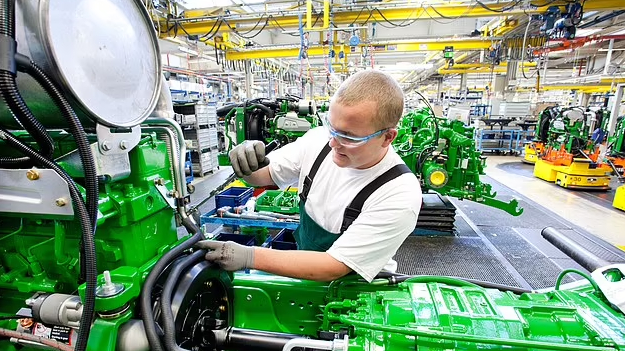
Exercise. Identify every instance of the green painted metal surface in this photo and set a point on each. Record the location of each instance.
(443, 155)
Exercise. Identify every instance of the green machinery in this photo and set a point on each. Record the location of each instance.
(572, 128)
(282, 119)
(616, 141)
(443, 154)
(91, 258)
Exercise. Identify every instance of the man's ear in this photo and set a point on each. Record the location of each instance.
(389, 136)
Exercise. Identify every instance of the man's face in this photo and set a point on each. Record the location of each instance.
(358, 121)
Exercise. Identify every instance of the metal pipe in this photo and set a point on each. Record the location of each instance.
(182, 148)
(578, 253)
(608, 57)
(336, 344)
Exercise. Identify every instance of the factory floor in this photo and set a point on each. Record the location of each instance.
(590, 210)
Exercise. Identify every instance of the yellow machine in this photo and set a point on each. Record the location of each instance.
(532, 150)
(619, 198)
(577, 175)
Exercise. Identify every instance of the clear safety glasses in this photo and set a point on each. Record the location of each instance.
(347, 140)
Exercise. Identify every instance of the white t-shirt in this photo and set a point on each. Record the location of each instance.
(388, 216)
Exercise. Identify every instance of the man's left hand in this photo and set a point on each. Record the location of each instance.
(229, 255)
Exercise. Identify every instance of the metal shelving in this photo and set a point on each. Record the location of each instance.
(199, 124)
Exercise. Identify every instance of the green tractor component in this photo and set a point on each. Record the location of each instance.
(282, 119)
(617, 141)
(443, 154)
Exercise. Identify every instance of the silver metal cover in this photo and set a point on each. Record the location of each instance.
(106, 53)
(18, 194)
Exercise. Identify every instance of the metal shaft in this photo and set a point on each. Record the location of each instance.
(575, 251)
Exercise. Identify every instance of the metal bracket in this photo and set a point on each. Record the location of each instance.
(168, 195)
(34, 192)
(112, 142)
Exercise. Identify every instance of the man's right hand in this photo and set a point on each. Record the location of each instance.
(248, 157)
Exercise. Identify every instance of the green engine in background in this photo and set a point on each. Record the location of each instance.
(283, 119)
(443, 154)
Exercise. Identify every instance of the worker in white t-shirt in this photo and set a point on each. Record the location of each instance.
(358, 199)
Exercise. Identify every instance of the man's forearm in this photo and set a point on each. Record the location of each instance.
(309, 265)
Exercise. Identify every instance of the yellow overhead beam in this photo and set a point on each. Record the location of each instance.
(475, 71)
(201, 21)
(464, 45)
(486, 65)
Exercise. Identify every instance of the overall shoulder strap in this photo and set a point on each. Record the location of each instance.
(313, 171)
(353, 210)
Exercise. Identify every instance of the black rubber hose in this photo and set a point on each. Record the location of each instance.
(167, 314)
(10, 93)
(76, 129)
(222, 111)
(395, 278)
(147, 315)
(87, 237)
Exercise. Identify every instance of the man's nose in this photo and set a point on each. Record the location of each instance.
(333, 143)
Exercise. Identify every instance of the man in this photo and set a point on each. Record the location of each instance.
(349, 162)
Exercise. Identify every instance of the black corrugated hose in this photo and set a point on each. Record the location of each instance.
(85, 226)
(26, 65)
(10, 93)
(167, 314)
(147, 315)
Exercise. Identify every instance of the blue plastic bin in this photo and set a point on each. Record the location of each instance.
(284, 240)
(233, 197)
(242, 239)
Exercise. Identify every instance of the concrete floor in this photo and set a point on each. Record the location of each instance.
(590, 210)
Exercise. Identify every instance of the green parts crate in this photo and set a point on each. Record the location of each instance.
(278, 201)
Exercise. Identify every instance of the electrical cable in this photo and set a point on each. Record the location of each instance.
(76, 130)
(502, 10)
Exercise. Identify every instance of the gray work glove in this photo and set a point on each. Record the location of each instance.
(229, 255)
(248, 157)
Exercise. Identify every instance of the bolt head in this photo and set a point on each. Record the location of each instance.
(60, 202)
(123, 144)
(32, 174)
(105, 146)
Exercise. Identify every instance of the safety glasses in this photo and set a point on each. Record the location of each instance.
(347, 140)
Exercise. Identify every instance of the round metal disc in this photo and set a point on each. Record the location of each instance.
(106, 52)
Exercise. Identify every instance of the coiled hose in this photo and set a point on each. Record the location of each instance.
(169, 327)
(78, 132)
(85, 226)
(147, 315)
(11, 95)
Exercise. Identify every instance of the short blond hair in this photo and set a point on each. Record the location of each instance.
(378, 87)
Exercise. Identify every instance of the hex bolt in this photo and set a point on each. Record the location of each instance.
(123, 144)
(60, 202)
(222, 308)
(159, 181)
(105, 146)
(171, 194)
(32, 174)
